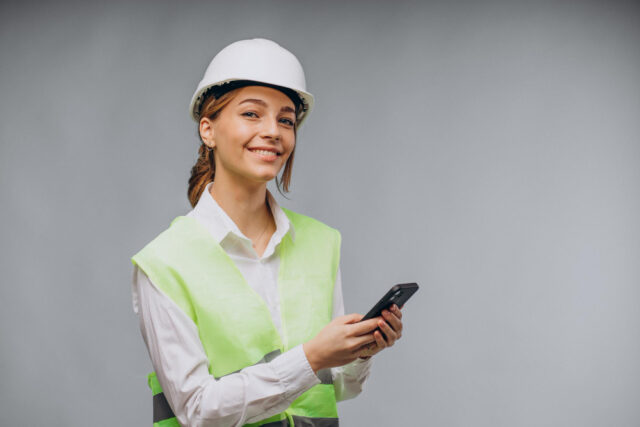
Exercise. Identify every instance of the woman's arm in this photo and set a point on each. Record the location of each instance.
(347, 379)
(180, 362)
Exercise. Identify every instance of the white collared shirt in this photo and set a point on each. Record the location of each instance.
(179, 359)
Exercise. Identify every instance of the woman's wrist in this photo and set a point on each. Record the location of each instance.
(310, 353)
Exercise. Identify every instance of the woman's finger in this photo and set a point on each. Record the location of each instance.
(364, 327)
(397, 311)
(379, 340)
(362, 340)
(394, 321)
(374, 348)
(389, 332)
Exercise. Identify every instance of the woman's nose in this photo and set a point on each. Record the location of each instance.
(270, 128)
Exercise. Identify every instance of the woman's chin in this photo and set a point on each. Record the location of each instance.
(264, 176)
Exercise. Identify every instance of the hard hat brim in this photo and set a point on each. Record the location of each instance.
(306, 99)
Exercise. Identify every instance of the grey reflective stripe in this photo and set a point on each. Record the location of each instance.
(270, 356)
(325, 376)
(299, 421)
(161, 408)
(162, 411)
(265, 359)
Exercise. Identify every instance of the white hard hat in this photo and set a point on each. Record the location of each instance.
(257, 60)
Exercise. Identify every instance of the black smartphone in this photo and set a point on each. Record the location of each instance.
(398, 294)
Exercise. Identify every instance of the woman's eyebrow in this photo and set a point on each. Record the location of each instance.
(264, 104)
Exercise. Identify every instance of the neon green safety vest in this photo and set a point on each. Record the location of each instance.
(233, 321)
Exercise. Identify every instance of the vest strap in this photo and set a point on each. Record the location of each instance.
(325, 376)
(299, 421)
(161, 408)
(162, 411)
(265, 359)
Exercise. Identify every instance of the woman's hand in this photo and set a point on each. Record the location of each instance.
(392, 329)
(339, 341)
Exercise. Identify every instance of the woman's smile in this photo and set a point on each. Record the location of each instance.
(266, 154)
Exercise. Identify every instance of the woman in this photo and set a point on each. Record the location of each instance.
(240, 301)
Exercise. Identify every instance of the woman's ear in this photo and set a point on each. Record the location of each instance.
(206, 132)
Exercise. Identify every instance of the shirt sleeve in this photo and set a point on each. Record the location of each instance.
(181, 364)
(347, 379)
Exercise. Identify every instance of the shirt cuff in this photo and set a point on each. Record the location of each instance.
(293, 368)
(359, 361)
(358, 368)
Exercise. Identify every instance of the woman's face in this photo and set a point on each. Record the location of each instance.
(253, 135)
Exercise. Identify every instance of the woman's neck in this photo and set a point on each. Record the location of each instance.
(246, 206)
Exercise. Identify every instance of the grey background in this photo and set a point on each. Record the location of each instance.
(487, 150)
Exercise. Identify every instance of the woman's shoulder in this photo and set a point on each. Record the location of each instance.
(181, 230)
(305, 222)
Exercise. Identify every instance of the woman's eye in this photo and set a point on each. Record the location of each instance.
(288, 122)
(250, 114)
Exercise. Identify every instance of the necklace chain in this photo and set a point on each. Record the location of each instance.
(265, 228)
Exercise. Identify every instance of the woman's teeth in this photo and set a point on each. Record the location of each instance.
(268, 153)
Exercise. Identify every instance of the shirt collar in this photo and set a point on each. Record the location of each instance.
(219, 224)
